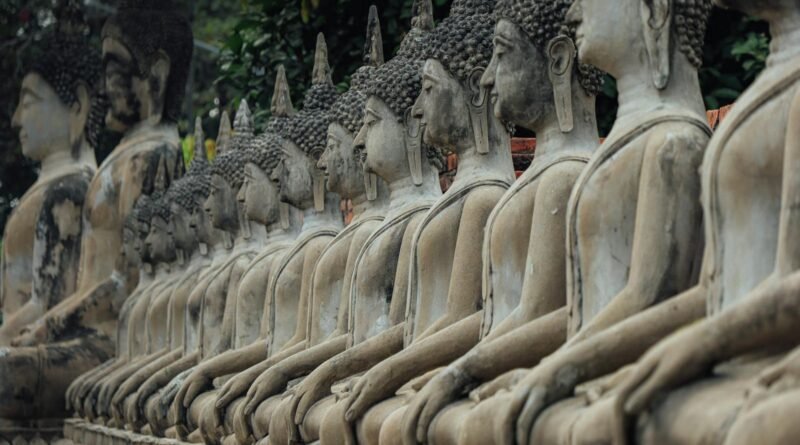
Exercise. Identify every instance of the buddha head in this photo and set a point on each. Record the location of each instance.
(134, 233)
(533, 72)
(342, 162)
(303, 140)
(60, 107)
(160, 241)
(227, 173)
(453, 105)
(390, 138)
(147, 50)
(189, 222)
(259, 194)
(660, 33)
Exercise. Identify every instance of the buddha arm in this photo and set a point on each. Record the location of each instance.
(307, 360)
(229, 316)
(366, 354)
(623, 343)
(311, 254)
(235, 360)
(522, 347)
(667, 229)
(56, 252)
(464, 294)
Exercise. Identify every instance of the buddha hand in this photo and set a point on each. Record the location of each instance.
(370, 389)
(241, 425)
(311, 390)
(234, 388)
(541, 387)
(443, 389)
(31, 335)
(779, 378)
(198, 381)
(677, 359)
(269, 383)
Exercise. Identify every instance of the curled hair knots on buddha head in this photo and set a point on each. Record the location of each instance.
(542, 20)
(690, 22)
(66, 60)
(230, 166)
(147, 27)
(348, 110)
(462, 42)
(161, 207)
(265, 152)
(142, 211)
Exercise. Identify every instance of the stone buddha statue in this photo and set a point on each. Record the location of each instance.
(327, 318)
(728, 378)
(283, 222)
(392, 148)
(136, 229)
(82, 394)
(184, 198)
(633, 219)
(146, 48)
(437, 298)
(59, 116)
(210, 301)
(536, 83)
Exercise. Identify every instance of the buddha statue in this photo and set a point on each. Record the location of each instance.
(184, 198)
(633, 220)
(212, 303)
(437, 299)
(532, 76)
(282, 221)
(146, 48)
(59, 116)
(327, 318)
(729, 376)
(88, 384)
(392, 147)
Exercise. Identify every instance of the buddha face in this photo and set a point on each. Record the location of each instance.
(607, 44)
(201, 225)
(221, 204)
(141, 245)
(339, 162)
(159, 241)
(294, 176)
(182, 233)
(517, 77)
(259, 196)
(130, 246)
(383, 138)
(42, 119)
(133, 95)
(442, 106)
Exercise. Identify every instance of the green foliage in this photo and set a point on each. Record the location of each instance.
(274, 32)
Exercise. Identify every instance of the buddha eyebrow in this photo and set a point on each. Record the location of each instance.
(111, 57)
(429, 76)
(372, 112)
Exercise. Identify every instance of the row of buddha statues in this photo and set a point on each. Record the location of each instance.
(640, 290)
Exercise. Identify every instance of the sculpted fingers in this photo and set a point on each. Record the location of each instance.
(638, 390)
(504, 428)
(534, 405)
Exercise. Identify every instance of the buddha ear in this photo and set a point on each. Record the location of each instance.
(79, 117)
(159, 72)
(413, 136)
(656, 23)
(478, 111)
(561, 53)
(283, 208)
(371, 185)
(319, 190)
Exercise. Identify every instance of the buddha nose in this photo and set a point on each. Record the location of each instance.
(360, 141)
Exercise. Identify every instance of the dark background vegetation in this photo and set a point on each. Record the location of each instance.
(240, 43)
